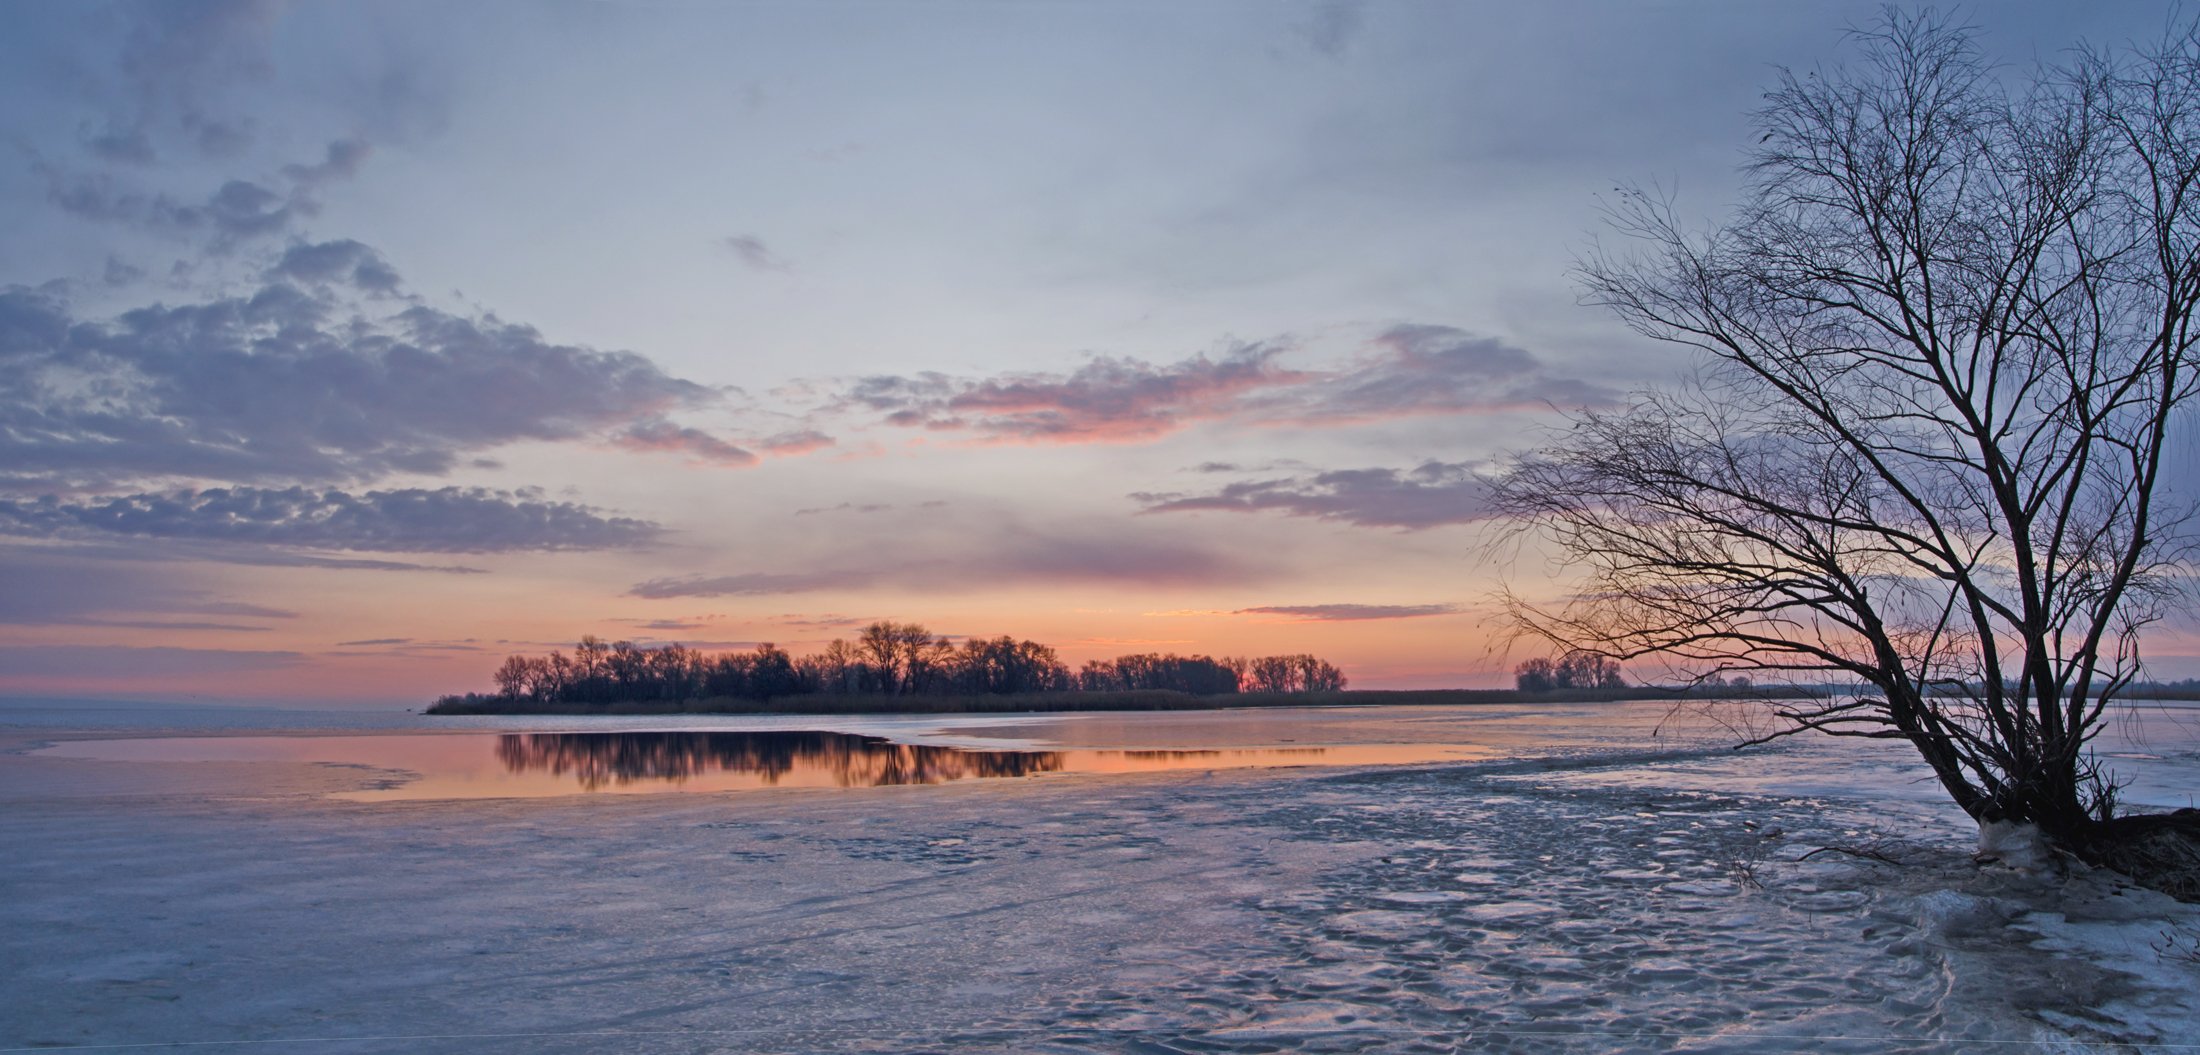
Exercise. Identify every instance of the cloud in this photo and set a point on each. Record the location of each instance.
(1108, 399)
(237, 211)
(446, 520)
(341, 162)
(171, 82)
(1407, 371)
(752, 251)
(285, 386)
(121, 661)
(121, 146)
(1420, 370)
(747, 584)
(699, 446)
(823, 621)
(256, 611)
(1349, 613)
(174, 58)
(997, 557)
(241, 209)
(173, 51)
(402, 646)
(160, 624)
(170, 551)
(50, 586)
(789, 444)
(343, 261)
(171, 85)
(120, 273)
(1332, 26)
(1431, 494)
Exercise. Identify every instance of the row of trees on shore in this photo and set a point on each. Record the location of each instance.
(886, 659)
(1574, 670)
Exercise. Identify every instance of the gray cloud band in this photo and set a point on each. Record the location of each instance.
(1429, 495)
(444, 520)
(1350, 613)
(990, 558)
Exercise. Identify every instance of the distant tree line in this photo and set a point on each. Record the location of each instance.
(886, 659)
(1574, 670)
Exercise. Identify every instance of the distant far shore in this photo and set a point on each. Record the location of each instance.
(1149, 700)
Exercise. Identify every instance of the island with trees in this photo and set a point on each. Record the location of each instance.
(890, 666)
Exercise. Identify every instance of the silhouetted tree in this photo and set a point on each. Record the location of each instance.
(887, 659)
(1951, 329)
(1272, 674)
(1005, 665)
(1586, 670)
(1316, 675)
(515, 676)
(1535, 675)
(772, 673)
(901, 657)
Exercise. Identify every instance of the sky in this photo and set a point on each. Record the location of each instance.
(346, 347)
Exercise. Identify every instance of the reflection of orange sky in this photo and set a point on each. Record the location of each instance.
(523, 766)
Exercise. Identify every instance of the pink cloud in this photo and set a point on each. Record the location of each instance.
(789, 444)
(1408, 371)
(1106, 400)
(699, 446)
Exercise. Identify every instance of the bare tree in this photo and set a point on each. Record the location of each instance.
(1949, 331)
(1534, 675)
(515, 675)
(902, 656)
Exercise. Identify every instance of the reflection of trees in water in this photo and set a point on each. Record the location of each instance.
(600, 759)
(1187, 756)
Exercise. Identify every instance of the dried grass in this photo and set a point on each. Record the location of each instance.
(2160, 851)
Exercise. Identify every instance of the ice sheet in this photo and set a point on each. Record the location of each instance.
(1598, 890)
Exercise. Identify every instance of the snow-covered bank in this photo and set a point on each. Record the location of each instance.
(1592, 897)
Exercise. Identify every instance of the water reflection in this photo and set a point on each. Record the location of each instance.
(469, 765)
(600, 760)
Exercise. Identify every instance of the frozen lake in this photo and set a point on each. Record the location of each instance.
(1575, 878)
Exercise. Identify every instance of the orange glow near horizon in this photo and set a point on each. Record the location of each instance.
(448, 647)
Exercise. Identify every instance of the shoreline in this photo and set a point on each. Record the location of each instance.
(1072, 702)
(827, 705)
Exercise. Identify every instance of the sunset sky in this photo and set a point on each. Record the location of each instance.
(346, 347)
